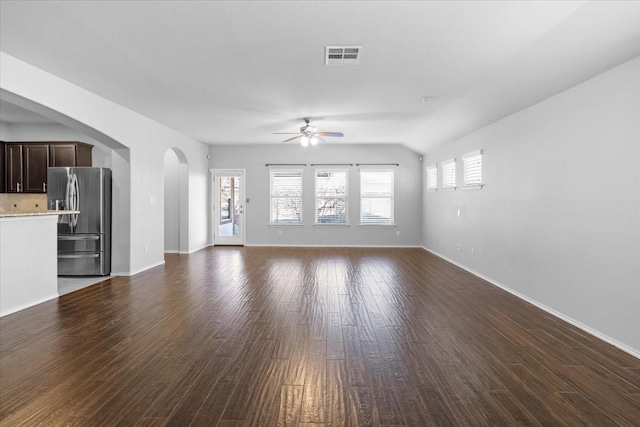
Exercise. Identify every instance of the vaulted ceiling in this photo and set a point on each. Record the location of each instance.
(238, 71)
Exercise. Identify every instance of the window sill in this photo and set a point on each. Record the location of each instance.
(473, 187)
(378, 225)
(448, 189)
(285, 225)
(330, 225)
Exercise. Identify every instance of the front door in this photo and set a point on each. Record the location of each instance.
(228, 207)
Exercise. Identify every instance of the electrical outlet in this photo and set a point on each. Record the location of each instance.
(279, 232)
(146, 248)
(398, 233)
(473, 251)
(458, 247)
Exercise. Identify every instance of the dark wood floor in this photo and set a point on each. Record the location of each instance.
(301, 336)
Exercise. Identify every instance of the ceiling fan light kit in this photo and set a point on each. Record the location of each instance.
(309, 135)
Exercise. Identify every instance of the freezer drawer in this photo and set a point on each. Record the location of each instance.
(82, 264)
(80, 243)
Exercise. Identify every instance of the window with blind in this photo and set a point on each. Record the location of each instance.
(432, 178)
(449, 174)
(472, 170)
(331, 197)
(376, 197)
(286, 197)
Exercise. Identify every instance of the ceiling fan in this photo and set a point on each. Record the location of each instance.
(309, 134)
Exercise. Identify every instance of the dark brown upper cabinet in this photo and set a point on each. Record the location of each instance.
(24, 164)
(3, 168)
(13, 167)
(36, 162)
(70, 154)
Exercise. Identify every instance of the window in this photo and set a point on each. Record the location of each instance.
(286, 197)
(432, 178)
(376, 197)
(331, 197)
(449, 174)
(472, 170)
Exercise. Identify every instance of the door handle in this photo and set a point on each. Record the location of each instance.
(17, 187)
(78, 256)
(77, 237)
(44, 187)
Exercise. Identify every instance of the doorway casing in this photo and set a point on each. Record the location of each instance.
(231, 231)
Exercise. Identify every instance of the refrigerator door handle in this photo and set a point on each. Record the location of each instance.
(77, 237)
(75, 199)
(78, 256)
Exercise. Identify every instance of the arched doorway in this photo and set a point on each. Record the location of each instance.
(118, 161)
(176, 202)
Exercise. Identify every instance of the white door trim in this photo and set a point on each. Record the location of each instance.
(241, 240)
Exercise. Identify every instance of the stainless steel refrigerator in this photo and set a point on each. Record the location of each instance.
(84, 239)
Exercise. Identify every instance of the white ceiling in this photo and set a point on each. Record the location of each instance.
(237, 71)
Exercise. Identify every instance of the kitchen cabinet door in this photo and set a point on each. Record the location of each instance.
(63, 155)
(36, 162)
(70, 155)
(3, 169)
(13, 162)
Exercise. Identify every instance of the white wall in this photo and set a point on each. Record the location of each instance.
(101, 154)
(258, 232)
(171, 202)
(4, 131)
(28, 267)
(559, 218)
(147, 142)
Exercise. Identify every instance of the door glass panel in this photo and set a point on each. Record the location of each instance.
(228, 221)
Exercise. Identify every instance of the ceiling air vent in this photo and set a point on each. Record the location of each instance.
(342, 55)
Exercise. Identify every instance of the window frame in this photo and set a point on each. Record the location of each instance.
(345, 197)
(445, 165)
(468, 169)
(392, 220)
(434, 180)
(272, 172)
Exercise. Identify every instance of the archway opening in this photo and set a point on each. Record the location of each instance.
(116, 157)
(176, 202)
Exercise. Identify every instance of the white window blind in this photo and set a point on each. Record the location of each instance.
(376, 197)
(432, 178)
(472, 169)
(449, 174)
(331, 197)
(286, 197)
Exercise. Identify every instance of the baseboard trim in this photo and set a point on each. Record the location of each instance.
(29, 305)
(138, 271)
(633, 352)
(190, 251)
(334, 246)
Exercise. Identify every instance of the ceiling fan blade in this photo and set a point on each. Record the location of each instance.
(291, 139)
(285, 133)
(336, 134)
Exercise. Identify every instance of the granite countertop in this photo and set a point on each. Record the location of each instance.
(9, 214)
